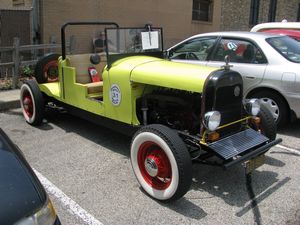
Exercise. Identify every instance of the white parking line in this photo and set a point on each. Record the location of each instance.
(67, 202)
(295, 151)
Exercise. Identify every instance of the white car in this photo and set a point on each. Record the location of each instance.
(269, 64)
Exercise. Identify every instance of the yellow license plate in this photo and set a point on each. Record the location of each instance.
(254, 163)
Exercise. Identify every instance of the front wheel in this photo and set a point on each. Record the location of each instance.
(161, 162)
(267, 125)
(32, 102)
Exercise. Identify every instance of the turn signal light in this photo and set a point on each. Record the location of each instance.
(213, 136)
(256, 121)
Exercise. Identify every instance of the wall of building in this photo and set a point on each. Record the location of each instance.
(287, 9)
(235, 13)
(175, 16)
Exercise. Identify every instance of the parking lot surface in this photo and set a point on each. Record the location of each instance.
(86, 170)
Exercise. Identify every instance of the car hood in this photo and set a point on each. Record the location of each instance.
(165, 73)
(19, 196)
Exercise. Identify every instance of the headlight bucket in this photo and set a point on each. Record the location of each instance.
(212, 120)
(252, 106)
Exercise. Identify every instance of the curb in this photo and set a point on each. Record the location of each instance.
(14, 104)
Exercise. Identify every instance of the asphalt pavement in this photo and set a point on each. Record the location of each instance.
(87, 172)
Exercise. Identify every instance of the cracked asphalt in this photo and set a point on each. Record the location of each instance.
(91, 165)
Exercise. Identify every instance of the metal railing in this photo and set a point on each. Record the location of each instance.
(17, 62)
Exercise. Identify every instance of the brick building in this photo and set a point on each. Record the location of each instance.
(179, 19)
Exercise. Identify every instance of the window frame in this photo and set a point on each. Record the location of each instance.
(272, 10)
(196, 39)
(254, 12)
(214, 52)
(197, 11)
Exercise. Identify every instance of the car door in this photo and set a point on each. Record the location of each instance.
(195, 51)
(245, 57)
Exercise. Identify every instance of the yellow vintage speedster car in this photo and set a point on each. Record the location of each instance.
(177, 113)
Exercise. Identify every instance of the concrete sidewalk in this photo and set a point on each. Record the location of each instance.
(9, 99)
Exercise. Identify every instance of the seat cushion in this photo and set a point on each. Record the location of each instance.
(96, 87)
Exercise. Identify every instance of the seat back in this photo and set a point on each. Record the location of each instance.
(82, 62)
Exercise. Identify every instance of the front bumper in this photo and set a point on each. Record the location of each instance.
(252, 154)
(241, 147)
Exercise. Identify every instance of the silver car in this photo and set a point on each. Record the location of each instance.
(269, 64)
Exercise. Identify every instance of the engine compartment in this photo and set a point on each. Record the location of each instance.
(176, 109)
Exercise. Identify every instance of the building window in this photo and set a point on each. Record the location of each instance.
(272, 10)
(254, 9)
(202, 10)
(298, 15)
(18, 2)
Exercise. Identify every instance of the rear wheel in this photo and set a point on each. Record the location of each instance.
(161, 162)
(46, 69)
(32, 102)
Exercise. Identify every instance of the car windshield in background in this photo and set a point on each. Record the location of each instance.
(287, 47)
(133, 40)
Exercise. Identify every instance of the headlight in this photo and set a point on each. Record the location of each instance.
(212, 120)
(45, 216)
(252, 106)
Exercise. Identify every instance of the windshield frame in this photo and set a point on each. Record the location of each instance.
(111, 58)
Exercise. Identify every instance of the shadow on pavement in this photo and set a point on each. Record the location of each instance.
(292, 129)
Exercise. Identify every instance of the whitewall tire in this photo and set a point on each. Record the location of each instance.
(161, 162)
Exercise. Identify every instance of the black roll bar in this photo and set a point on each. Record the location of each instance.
(63, 37)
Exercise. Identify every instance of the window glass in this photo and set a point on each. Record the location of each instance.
(287, 47)
(239, 51)
(202, 10)
(196, 49)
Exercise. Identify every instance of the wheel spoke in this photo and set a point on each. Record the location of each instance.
(272, 106)
(28, 104)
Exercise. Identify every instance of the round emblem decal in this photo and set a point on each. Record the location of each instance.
(115, 95)
(232, 46)
(237, 91)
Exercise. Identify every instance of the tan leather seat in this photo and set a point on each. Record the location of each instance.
(95, 87)
(81, 62)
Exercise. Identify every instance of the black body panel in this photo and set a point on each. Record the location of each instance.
(223, 92)
(21, 193)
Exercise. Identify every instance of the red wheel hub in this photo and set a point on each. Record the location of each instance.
(154, 165)
(28, 104)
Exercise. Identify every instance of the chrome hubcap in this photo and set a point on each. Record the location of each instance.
(272, 106)
(151, 166)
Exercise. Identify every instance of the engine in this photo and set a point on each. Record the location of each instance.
(174, 108)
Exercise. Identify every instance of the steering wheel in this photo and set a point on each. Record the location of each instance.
(192, 56)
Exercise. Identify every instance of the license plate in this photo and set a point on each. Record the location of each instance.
(254, 163)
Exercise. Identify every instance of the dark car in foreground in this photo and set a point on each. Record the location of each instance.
(23, 200)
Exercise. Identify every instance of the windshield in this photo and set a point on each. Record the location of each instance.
(124, 42)
(287, 47)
